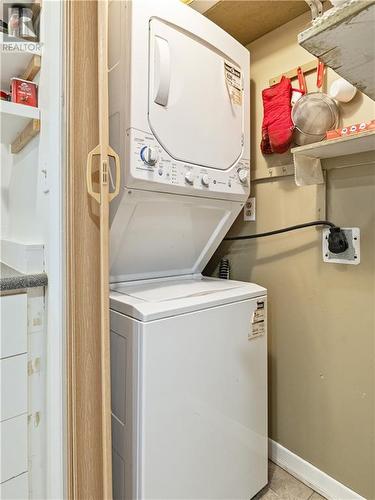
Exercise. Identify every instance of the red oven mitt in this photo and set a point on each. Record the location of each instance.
(277, 126)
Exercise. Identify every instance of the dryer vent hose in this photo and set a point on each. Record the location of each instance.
(224, 269)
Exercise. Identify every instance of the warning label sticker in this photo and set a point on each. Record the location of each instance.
(233, 80)
(258, 329)
(257, 326)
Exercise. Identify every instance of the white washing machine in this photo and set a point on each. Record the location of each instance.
(189, 389)
(188, 352)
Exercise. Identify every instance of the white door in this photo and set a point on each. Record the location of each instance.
(195, 98)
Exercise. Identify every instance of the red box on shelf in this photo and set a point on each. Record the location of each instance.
(24, 92)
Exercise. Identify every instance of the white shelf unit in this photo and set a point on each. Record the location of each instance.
(15, 119)
(343, 146)
(19, 58)
(343, 38)
(16, 57)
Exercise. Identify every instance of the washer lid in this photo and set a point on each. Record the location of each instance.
(195, 98)
(157, 234)
(154, 299)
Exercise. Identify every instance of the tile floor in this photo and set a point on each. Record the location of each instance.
(283, 486)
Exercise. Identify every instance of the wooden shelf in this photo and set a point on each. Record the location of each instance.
(36, 6)
(359, 143)
(248, 20)
(19, 124)
(343, 39)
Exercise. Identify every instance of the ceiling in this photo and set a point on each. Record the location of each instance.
(247, 20)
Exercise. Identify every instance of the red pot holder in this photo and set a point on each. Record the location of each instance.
(277, 126)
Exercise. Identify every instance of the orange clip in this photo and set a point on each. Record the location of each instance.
(301, 80)
(320, 74)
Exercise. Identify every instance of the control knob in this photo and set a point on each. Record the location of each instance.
(205, 180)
(242, 175)
(189, 177)
(149, 155)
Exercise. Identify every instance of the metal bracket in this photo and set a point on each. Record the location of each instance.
(316, 8)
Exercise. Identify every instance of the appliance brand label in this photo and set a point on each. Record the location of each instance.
(257, 326)
(233, 80)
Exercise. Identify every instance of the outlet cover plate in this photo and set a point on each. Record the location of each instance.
(249, 210)
(352, 255)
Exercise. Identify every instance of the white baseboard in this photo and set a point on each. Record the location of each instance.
(309, 474)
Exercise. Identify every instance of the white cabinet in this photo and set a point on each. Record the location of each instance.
(13, 332)
(13, 396)
(13, 443)
(13, 377)
(16, 488)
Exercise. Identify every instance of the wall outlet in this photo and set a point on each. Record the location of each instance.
(249, 210)
(352, 255)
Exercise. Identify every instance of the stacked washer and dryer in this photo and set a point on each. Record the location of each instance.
(188, 352)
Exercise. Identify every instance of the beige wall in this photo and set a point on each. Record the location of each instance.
(321, 316)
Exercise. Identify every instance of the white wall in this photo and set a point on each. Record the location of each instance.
(23, 203)
(5, 174)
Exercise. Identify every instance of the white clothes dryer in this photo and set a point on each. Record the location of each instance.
(179, 119)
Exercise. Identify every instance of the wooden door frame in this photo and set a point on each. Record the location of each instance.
(87, 476)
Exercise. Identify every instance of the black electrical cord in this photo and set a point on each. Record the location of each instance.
(283, 230)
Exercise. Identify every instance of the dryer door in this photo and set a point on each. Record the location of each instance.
(195, 98)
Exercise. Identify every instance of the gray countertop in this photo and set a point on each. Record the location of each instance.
(10, 279)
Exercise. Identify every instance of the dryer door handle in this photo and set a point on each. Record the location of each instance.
(162, 75)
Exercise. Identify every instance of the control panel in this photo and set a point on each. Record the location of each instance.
(149, 162)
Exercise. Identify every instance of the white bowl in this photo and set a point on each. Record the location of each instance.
(342, 91)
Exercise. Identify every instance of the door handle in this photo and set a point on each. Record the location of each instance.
(90, 157)
(162, 70)
(111, 154)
